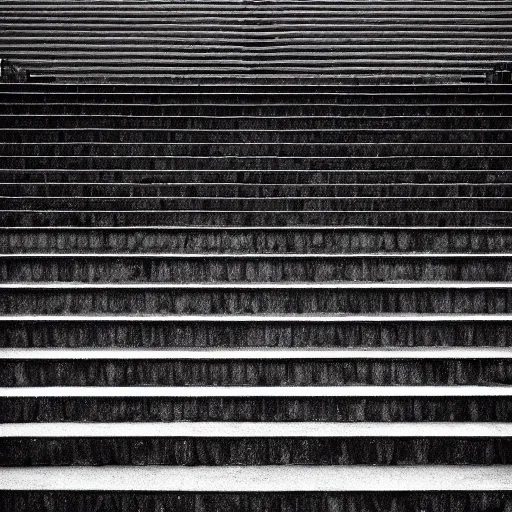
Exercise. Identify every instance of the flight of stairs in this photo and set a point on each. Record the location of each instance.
(255, 297)
(288, 41)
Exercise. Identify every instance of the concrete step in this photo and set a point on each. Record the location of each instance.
(261, 367)
(423, 159)
(256, 430)
(85, 124)
(259, 176)
(253, 444)
(247, 88)
(315, 193)
(167, 54)
(424, 501)
(273, 7)
(230, 269)
(204, 14)
(280, 404)
(255, 354)
(256, 298)
(260, 109)
(82, 218)
(330, 96)
(224, 240)
(421, 77)
(284, 331)
(255, 150)
(285, 136)
(258, 204)
(265, 479)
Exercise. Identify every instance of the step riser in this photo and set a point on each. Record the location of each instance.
(250, 88)
(255, 270)
(254, 373)
(398, 77)
(234, 98)
(319, 162)
(281, 242)
(244, 219)
(491, 109)
(264, 502)
(288, 137)
(263, 177)
(48, 302)
(470, 409)
(250, 451)
(88, 124)
(257, 152)
(246, 334)
(334, 204)
(312, 194)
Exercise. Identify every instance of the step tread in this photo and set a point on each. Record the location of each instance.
(238, 229)
(255, 392)
(259, 479)
(259, 255)
(266, 318)
(291, 285)
(267, 353)
(256, 429)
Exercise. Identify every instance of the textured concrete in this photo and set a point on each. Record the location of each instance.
(268, 353)
(262, 429)
(260, 479)
(283, 391)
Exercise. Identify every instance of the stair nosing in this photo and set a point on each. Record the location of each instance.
(257, 353)
(69, 430)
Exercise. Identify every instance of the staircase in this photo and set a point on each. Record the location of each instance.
(257, 41)
(256, 297)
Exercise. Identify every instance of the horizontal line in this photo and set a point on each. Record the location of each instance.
(258, 105)
(213, 118)
(265, 199)
(257, 229)
(334, 172)
(249, 185)
(336, 93)
(291, 318)
(261, 130)
(251, 286)
(256, 430)
(261, 255)
(266, 212)
(268, 353)
(256, 392)
(259, 478)
(256, 157)
(263, 86)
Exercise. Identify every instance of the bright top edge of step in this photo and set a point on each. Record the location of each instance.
(267, 353)
(240, 228)
(290, 318)
(259, 478)
(244, 256)
(256, 429)
(255, 392)
(249, 286)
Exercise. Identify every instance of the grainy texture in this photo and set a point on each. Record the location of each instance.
(271, 502)
(246, 212)
(240, 302)
(217, 452)
(255, 373)
(307, 241)
(22, 410)
(246, 334)
(263, 269)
